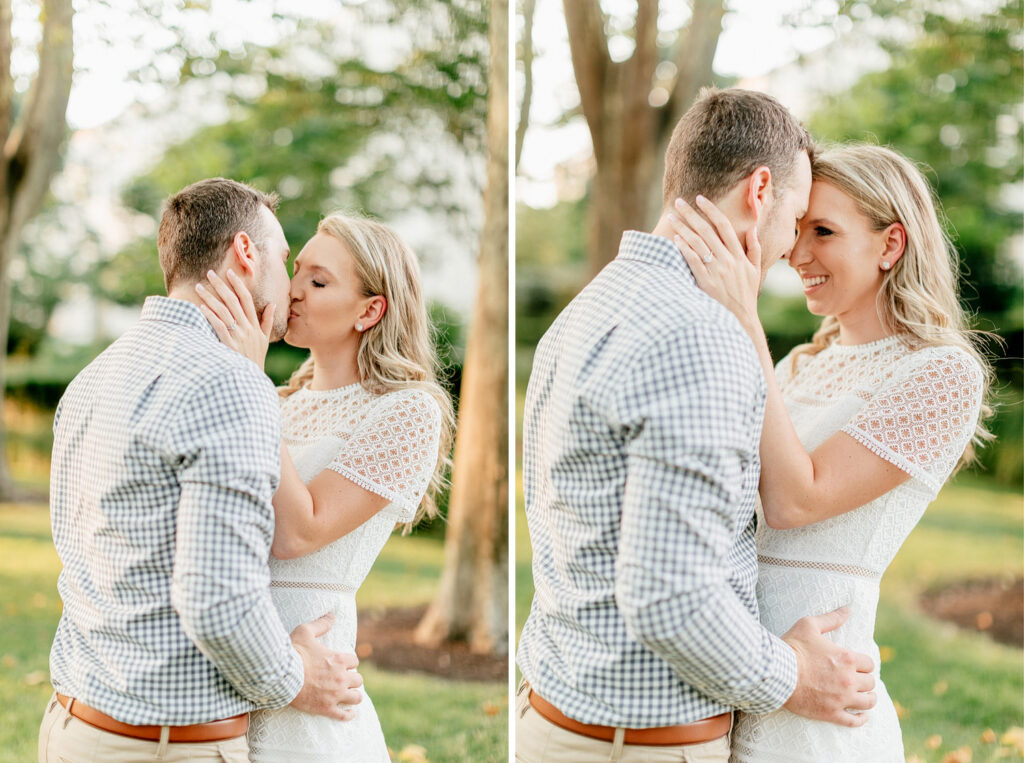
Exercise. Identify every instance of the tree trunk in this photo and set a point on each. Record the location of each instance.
(526, 56)
(628, 133)
(472, 603)
(31, 156)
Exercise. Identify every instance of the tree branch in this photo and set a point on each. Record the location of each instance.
(6, 99)
(6, 82)
(694, 57)
(638, 114)
(642, 64)
(526, 53)
(32, 148)
(590, 61)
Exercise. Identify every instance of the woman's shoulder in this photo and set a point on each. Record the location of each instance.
(940, 362)
(413, 402)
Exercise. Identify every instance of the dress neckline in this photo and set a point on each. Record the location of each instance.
(877, 344)
(344, 391)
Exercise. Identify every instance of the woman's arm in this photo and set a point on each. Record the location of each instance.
(797, 488)
(311, 517)
(307, 518)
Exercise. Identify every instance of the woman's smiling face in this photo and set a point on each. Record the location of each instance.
(838, 255)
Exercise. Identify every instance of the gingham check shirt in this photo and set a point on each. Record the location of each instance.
(640, 454)
(166, 454)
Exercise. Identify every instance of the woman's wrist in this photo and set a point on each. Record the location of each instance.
(751, 323)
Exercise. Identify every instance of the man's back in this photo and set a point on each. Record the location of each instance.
(164, 461)
(640, 462)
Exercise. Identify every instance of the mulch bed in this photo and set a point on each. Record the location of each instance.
(993, 606)
(385, 639)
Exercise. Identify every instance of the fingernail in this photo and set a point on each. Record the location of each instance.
(199, 287)
(673, 218)
(700, 199)
(680, 204)
(678, 238)
(210, 274)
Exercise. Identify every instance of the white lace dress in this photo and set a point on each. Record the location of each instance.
(387, 444)
(915, 408)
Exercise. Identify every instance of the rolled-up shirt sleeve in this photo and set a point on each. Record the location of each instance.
(692, 411)
(229, 467)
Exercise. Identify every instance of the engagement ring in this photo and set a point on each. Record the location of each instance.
(233, 326)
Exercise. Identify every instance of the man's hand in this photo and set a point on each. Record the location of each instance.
(831, 681)
(331, 684)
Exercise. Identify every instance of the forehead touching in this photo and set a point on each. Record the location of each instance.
(796, 196)
(831, 202)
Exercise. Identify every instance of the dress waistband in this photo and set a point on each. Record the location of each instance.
(845, 569)
(339, 587)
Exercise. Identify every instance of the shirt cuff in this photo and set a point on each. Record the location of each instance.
(778, 683)
(282, 691)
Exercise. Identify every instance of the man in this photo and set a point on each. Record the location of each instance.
(165, 459)
(640, 451)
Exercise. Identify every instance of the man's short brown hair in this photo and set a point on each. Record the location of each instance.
(726, 135)
(200, 221)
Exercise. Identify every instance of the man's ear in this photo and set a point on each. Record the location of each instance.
(759, 190)
(242, 254)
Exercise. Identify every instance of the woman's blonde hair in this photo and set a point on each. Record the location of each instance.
(920, 293)
(398, 351)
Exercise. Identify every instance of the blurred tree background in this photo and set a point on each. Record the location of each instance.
(376, 108)
(943, 86)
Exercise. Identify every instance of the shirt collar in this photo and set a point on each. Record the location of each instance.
(654, 250)
(177, 311)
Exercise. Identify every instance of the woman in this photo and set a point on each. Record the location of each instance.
(367, 429)
(862, 425)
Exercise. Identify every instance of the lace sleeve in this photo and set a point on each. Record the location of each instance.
(923, 420)
(394, 451)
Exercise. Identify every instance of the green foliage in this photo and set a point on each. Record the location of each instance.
(41, 378)
(550, 263)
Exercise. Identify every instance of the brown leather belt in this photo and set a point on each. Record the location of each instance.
(214, 731)
(686, 733)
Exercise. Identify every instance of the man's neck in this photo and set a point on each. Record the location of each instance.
(664, 227)
(185, 294)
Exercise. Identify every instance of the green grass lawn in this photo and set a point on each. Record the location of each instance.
(956, 689)
(450, 721)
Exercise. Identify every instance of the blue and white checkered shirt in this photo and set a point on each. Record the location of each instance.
(166, 455)
(640, 454)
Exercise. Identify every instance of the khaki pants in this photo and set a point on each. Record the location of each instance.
(66, 739)
(540, 741)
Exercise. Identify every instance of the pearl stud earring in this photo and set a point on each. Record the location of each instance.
(359, 327)
(885, 265)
